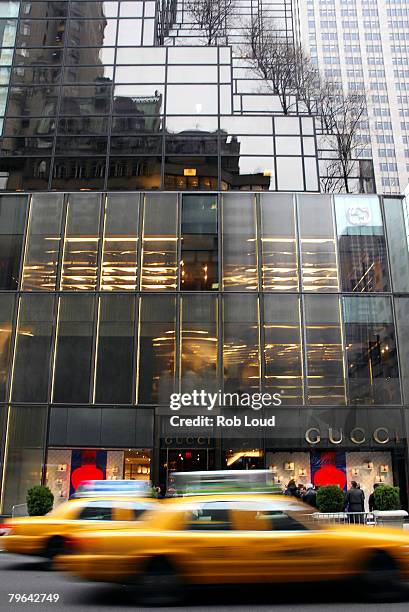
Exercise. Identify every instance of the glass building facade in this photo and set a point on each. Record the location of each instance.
(161, 231)
(110, 302)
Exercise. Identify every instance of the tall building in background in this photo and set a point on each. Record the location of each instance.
(162, 231)
(364, 44)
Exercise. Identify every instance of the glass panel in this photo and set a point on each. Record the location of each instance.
(199, 252)
(156, 349)
(361, 244)
(243, 173)
(402, 324)
(79, 269)
(6, 319)
(33, 348)
(8, 28)
(24, 173)
(10, 9)
(318, 256)
(239, 242)
(280, 269)
(371, 350)
(85, 99)
(133, 173)
(135, 125)
(115, 354)
(159, 265)
(49, 33)
(325, 366)
(199, 343)
(73, 173)
(25, 453)
(101, 32)
(396, 219)
(43, 243)
(191, 173)
(129, 32)
(12, 220)
(72, 370)
(192, 99)
(283, 348)
(241, 354)
(120, 246)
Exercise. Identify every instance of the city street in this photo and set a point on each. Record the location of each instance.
(27, 575)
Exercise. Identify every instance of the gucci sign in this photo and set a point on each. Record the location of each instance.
(357, 435)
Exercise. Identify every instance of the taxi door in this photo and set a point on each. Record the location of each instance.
(280, 547)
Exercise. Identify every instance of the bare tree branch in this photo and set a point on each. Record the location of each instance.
(212, 17)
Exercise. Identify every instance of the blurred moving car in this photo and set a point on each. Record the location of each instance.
(237, 538)
(45, 536)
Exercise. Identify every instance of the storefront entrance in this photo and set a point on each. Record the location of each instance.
(183, 460)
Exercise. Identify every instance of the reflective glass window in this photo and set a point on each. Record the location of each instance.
(130, 32)
(120, 245)
(156, 355)
(243, 173)
(92, 32)
(38, 75)
(115, 350)
(81, 241)
(83, 125)
(81, 172)
(72, 370)
(33, 101)
(373, 374)
(131, 173)
(12, 220)
(283, 348)
(6, 319)
(80, 8)
(190, 173)
(199, 246)
(25, 453)
(191, 99)
(241, 351)
(43, 56)
(280, 268)
(33, 348)
(318, 256)
(8, 29)
(37, 9)
(81, 145)
(88, 74)
(85, 99)
(239, 242)
(49, 33)
(402, 324)
(24, 173)
(43, 243)
(199, 343)
(396, 219)
(136, 145)
(138, 99)
(361, 244)
(159, 246)
(9, 9)
(325, 360)
(140, 74)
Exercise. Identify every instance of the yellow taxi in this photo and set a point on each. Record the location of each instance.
(240, 538)
(46, 535)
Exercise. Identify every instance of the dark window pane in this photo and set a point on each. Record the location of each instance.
(73, 349)
(37, 9)
(88, 74)
(120, 245)
(33, 348)
(85, 99)
(25, 453)
(39, 75)
(95, 512)
(81, 145)
(43, 243)
(371, 351)
(79, 268)
(24, 173)
(115, 357)
(130, 173)
(138, 124)
(83, 125)
(136, 145)
(361, 244)
(36, 126)
(156, 349)
(32, 101)
(241, 351)
(41, 32)
(73, 173)
(6, 318)
(44, 56)
(199, 343)
(12, 219)
(402, 324)
(283, 349)
(26, 146)
(191, 173)
(199, 265)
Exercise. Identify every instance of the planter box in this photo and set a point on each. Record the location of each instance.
(390, 518)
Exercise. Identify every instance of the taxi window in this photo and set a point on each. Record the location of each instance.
(209, 517)
(94, 512)
(265, 519)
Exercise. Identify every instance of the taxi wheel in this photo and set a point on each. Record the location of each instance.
(159, 584)
(382, 580)
(55, 546)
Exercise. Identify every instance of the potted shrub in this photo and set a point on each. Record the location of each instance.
(387, 502)
(330, 499)
(39, 500)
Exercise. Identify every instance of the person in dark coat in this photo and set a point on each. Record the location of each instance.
(355, 498)
(292, 489)
(371, 499)
(310, 496)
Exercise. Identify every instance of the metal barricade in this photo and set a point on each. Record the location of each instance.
(344, 518)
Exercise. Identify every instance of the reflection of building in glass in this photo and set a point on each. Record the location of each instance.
(161, 231)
